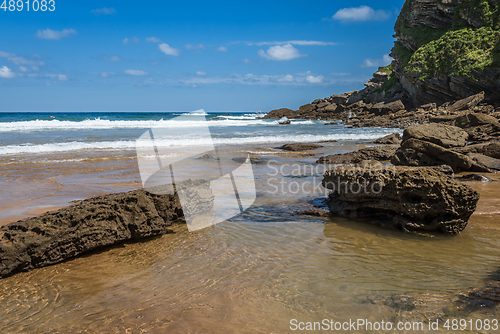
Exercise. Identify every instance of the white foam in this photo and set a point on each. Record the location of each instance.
(185, 142)
(98, 123)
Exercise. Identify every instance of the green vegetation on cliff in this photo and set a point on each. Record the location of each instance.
(471, 42)
(456, 53)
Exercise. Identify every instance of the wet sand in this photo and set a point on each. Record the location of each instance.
(253, 273)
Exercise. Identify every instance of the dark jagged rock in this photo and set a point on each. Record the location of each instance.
(392, 139)
(88, 225)
(295, 147)
(474, 177)
(380, 153)
(440, 134)
(410, 199)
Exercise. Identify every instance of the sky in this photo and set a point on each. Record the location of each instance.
(121, 55)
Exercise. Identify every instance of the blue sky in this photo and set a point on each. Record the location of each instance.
(173, 56)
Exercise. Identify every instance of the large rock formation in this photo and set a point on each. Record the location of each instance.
(447, 50)
(83, 227)
(406, 198)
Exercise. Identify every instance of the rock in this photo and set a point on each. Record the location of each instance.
(429, 107)
(323, 104)
(280, 113)
(440, 134)
(331, 108)
(483, 160)
(316, 212)
(89, 225)
(307, 108)
(393, 139)
(339, 99)
(384, 108)
(475, 119)
(379, 153)
(206, 157)
(489, 149)
(410, 199)
(474, 177)
(295, 147)
(284, 121)
(445, 169)
(480, 127)
(414, 152)
(467, 103)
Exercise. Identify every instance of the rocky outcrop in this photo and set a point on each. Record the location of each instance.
(437, 144)
(86, 226)
(405, 198)
(379, 153)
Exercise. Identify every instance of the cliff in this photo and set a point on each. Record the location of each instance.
(447, 50)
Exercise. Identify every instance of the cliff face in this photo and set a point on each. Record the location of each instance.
(447, 49)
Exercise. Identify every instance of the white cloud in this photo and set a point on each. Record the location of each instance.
(104, 11)
(62, 77)
(153, 39)
(23, 69)
(385, 60)
(168, 50)
(54, 34)
(278, 80)
(18, 60)
(6, 73)
(280, 52)
(133, 40)
(314, 79)
(195, 47)
(201, 73)
(292, 42)
(115, 59)
(104, 75)
(362, 13)
(135, 72)
(222, 49)
(286, 78)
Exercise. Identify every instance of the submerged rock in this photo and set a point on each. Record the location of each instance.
(406, 198)
(474, 177)
(295, 147)
(89, 225)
